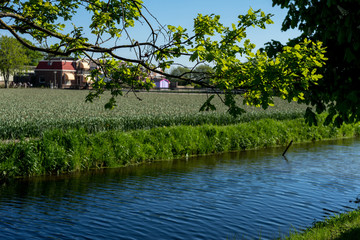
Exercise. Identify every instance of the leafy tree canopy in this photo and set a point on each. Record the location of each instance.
(200, 73)
(337, 25)
(288, 74)
(203, 73)
(33, 56)
(180, 71)
(13, 57)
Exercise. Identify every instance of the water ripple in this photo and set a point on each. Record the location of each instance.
(240, 195)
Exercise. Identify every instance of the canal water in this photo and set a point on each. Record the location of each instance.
(242, 195)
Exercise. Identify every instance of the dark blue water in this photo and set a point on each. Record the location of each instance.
(243, 195)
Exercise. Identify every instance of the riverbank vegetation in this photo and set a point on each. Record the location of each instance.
(58, 151)
(345, 226)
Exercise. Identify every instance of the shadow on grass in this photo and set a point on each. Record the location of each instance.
(352, 234)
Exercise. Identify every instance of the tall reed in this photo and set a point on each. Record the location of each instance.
(60, 151)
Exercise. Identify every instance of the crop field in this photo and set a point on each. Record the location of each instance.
(29, 112)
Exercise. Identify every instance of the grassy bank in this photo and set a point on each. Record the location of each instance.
(75, 150)
(345, 226)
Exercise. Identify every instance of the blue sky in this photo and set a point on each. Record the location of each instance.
(183, 12)
(171, 12)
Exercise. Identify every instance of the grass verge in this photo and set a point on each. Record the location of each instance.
(59, 151)
(345, 226)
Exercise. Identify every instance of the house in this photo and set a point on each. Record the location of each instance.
(2, 81)
(62, 73)
(73, 73)
(162, 83)
(159, 80)
(27, 76)
(23, 75)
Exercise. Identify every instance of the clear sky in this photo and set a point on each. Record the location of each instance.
(183, 12)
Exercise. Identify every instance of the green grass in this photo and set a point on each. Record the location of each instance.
(30, 112)
(59, 151)
(345, 226)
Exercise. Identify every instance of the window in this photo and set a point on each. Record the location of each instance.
(41, 79)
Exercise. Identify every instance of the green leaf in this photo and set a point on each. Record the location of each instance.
(310, 117)
(208, 105)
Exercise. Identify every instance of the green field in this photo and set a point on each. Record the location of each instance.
(28, 112)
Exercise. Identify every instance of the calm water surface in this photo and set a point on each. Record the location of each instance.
(241, 195)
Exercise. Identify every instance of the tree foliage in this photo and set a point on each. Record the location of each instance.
(200, 73)
(33, 56)
(13, 57)
(179, 71)
(288, 74)
(203, 73)
(337, 25)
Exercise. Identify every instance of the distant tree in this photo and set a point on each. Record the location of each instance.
(33, 56)
(203, 73)
(177, 72)
(337, 25)
(13, 57)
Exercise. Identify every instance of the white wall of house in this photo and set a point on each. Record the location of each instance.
(29, 69)
(11, 78)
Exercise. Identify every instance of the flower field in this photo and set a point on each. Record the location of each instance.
(29, 112)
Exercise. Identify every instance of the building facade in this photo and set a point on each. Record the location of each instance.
(72, 73)
(62, 73)
(162, 83)
(2, 80)
(159, 80)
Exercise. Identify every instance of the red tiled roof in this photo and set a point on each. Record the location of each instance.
(56, 65)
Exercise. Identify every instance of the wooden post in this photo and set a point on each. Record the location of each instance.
(287, 148)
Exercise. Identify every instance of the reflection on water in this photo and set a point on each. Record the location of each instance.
(243, 195)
